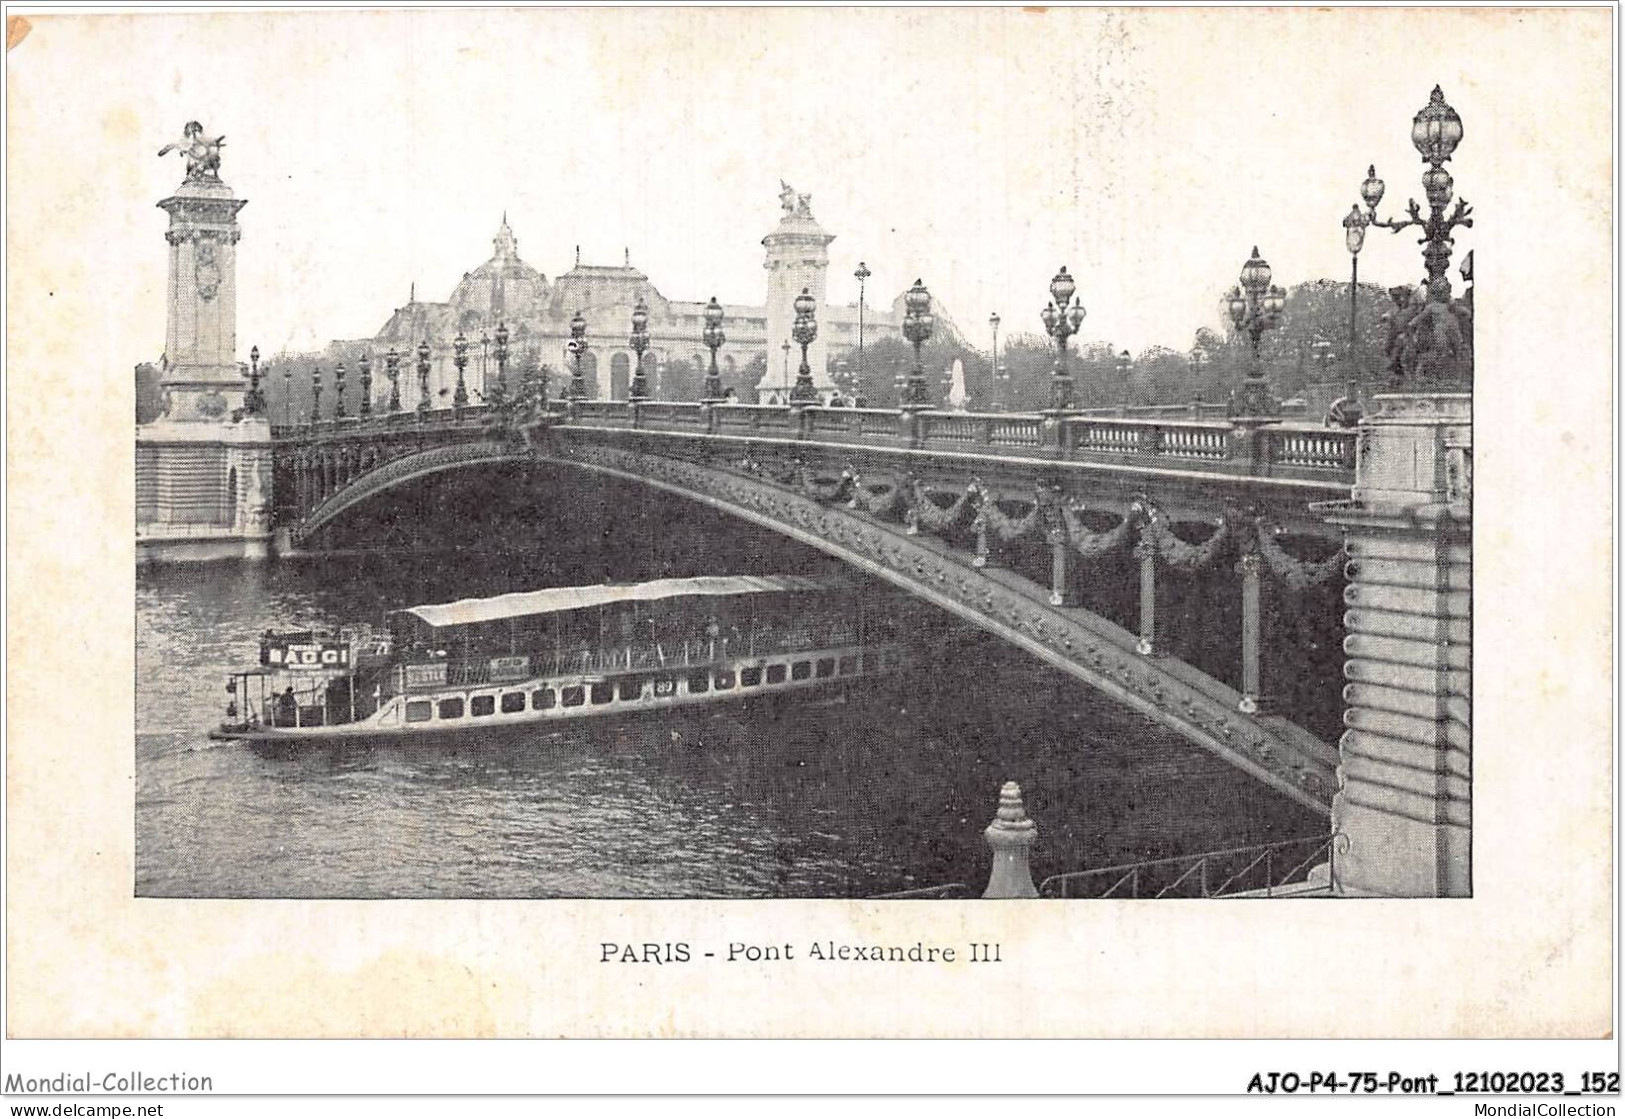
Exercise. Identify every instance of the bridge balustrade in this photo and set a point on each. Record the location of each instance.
(1315, 450)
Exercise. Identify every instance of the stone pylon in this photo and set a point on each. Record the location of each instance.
(1404, 800)
(203, 468)
(797, 258)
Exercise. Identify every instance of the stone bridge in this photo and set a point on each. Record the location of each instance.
(931, 502)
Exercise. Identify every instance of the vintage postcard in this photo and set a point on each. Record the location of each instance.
(744, 523)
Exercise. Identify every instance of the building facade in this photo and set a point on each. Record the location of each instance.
(537, 312)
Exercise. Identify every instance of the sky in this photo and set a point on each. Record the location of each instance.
(976, 149)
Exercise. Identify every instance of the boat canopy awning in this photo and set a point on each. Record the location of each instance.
(555, 600)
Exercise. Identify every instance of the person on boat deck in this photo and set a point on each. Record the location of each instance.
(287, 708)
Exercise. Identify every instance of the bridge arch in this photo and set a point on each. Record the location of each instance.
(1076, 641)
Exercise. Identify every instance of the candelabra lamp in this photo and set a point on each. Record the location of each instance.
(423, 381)
(254, 403)
(392, 370)
(918, 324)
(639, 341)
(1431, 339)
(459, 358)
(1062, 317)
(1255, 306)
(316, 395)
(578, 351)
(365, 407)
(804, 331)
(714, 338)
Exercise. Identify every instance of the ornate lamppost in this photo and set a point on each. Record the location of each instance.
(1255, 306)
(254, 403)
(366, 385)
(338, 391)
(1125, 369)
(578, 350)
(639, 341)
(1000, 403)
(316, 395)
(1354, 227)
(287, 395)
(485, 353)
(918, 323)
(804, 331)
(714, 338)
(1062, 317)
(423, 380)
(459, 358)
(392, 370)
(501, 395)
(1435, 132)
(862, 276)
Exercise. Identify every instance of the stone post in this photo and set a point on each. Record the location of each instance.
(1147, 553)
(1404, 798)
(1059, 593)
(1011, 836)
(1251, 570)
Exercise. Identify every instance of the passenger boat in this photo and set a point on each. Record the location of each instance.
(538, 658)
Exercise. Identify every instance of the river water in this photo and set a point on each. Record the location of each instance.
(886, 793)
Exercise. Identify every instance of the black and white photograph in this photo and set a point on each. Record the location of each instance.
(894, 458)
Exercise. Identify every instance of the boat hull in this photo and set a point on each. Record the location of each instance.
(479, 713)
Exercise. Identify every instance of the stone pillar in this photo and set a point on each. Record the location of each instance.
(797, 257)
(1404, 798)
(1147, 553)
(204, 465)
(1011, 835)
(1251, 570)
(1059, 590)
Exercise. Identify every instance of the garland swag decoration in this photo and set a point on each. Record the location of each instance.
(1093, 545)
(823, 487)
(1298, 575)
(875, 498)
(929, 513)
(1175, 552)
(1005, 526)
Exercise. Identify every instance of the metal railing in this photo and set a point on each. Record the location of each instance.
(1311, 453)
(1268, 870)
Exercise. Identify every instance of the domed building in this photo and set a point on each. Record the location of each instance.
(507, 291)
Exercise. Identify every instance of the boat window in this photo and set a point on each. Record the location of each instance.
(629, 689)
(750, 677)
(482, 705)
(575, 696)
(826, 667)
(801, 670)
(543, 698)
(849, 665)
(419, 711)
(451, 708)
(603, 693)
(699, 682)
(512, 702)
(724, 679)
(775, 674)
